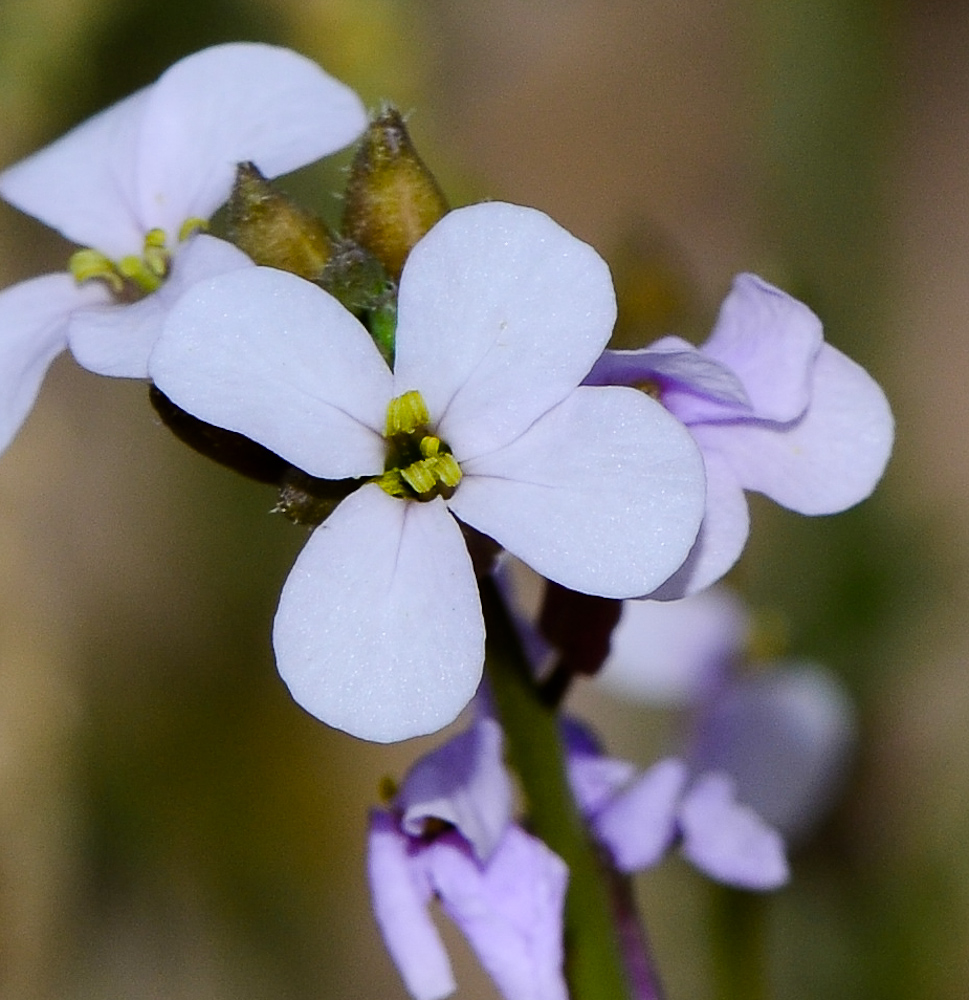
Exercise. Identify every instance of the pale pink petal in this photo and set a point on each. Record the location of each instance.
(770, 340)
(728, 841)
(82, 184)
(226, 104)
(639, 824)
(674, 652)
(723, 533)
(604, 494)
(379, 629)
(117, 339)
(271, 356)
(510, 910)
(827, 461)
(33, 331)
(401, 894)
(501, 314)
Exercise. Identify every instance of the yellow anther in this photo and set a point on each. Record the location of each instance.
(86, 265)
(406, 414)
(420, 477)
(190, 227)
(136, 269)
(447, 470)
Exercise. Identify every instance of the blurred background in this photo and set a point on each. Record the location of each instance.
(171, 824)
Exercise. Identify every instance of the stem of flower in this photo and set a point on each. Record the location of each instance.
(739, 948)
(594, 960)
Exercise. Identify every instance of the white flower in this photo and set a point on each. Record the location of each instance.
(133, 183)
(501, 313)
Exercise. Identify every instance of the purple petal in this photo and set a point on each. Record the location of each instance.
(694, 386)
(83, 185)
(722, 536)
(464, 783)
(230, 103)
(117, 339)
(639, 825)
(594, 778)
(379, 629)
(501, 314)
(400, 893)
(728, 841)
(827, 461)
(271, 356)
(675, 653)
(784, 736)
(33, 331)
(770, 340)
(510, 910)
(604, 494)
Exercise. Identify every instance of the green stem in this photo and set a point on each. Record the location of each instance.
(594, 960)
(739, 945)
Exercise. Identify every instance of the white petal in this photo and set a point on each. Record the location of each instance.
(673, 653)
(722, 537)
(226, 104)
(33, 331)
(273, 357)
(501, 314)
(82, 185)
(379, 629)
(117, 339)
(827, 461)
(604, 494)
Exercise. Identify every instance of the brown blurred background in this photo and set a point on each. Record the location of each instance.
(171, 824)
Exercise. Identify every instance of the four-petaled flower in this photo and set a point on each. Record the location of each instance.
(501, 314)
(133, 185)
(773, 408)
(639, 817)
(450, 835)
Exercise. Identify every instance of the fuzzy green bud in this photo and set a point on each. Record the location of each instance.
(273, 230)
(392, 199)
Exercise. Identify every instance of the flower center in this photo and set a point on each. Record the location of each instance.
(419, 464)
(132, 277)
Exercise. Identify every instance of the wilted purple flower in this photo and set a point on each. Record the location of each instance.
(782, 731)
(449, 836)
(133, 184)
(773, 408)
(501, 313)
(640, 817)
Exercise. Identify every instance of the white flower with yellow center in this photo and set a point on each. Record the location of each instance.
(134, 185)
(501, 314)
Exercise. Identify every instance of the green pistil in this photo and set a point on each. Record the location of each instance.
(419, 465)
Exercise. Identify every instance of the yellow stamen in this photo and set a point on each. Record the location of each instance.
(88, 264)
(406, 414)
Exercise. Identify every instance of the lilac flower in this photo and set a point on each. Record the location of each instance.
(773, 408)
(501, 313)
(782, 731)
(640, 817)
(450, 836)
(133, 184)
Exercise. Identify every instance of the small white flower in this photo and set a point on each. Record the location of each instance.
(501, 313)
(132, 185)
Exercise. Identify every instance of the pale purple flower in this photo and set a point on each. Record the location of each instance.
(773, 408)
(134, 182)
(449, 836)
(783, 731)
(640, 817)
(501, 313)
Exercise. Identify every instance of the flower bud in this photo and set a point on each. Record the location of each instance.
(273, 230)
(392, 199)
